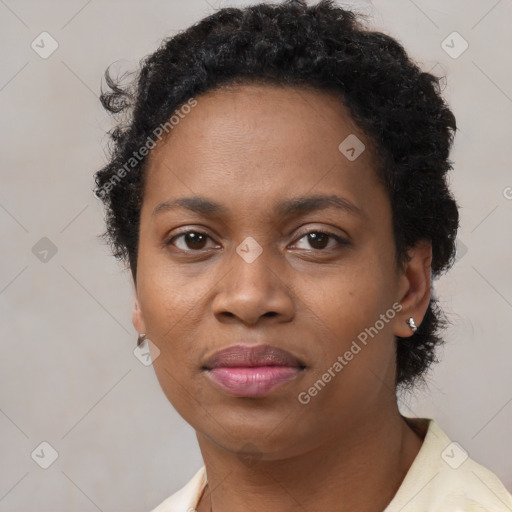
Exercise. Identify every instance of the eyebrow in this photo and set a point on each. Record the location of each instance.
(290, 208)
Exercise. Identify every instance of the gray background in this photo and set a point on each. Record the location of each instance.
(69, 376)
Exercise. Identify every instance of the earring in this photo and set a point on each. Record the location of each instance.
(141, 339)
(412, 325)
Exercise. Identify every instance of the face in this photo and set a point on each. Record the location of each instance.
(256, 229)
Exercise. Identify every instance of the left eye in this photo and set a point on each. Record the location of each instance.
(319, 240)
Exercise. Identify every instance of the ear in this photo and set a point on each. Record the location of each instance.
(414, 288)
(138, 317)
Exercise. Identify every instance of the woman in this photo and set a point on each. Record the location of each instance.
(278, 188)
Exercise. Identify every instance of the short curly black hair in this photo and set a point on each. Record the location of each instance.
(397, 105)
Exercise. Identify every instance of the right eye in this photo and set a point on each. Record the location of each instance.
(190, 241)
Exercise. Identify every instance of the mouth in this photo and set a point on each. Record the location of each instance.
(252, 371)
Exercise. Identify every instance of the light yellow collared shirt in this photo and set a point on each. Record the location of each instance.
(442, 478)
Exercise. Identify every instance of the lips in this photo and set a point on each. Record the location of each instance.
(252, 371)
(252, 356)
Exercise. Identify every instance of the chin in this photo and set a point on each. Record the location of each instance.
(268, 436)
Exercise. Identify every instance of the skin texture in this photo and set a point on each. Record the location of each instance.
(248, 148)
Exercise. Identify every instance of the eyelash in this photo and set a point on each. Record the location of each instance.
(341, 241)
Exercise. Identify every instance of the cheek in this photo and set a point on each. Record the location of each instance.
(354, 315)
(354, 361)
(351, 298)
(170, 311)
(170, 299)
(173, 307)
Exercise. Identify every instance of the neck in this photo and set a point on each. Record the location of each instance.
(357, 470)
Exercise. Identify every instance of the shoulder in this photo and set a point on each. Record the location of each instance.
(186, 498)
(443, 478)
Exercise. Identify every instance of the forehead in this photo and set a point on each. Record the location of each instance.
(254, 143)
(299, 120)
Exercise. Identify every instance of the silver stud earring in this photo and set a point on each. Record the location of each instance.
(141, 339)
(412, 325)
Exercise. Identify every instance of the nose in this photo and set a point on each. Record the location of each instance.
(252, 291)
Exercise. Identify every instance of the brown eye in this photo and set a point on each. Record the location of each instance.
(319, 240)
(190, 241)
(195, 240)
